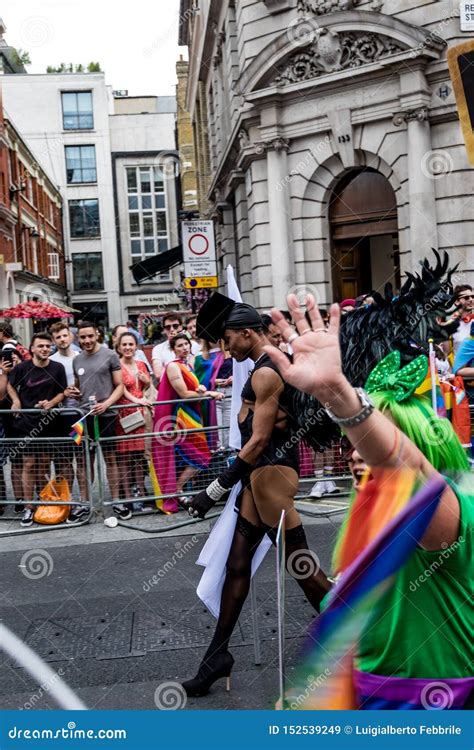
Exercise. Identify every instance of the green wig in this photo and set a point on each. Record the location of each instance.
(433, 436)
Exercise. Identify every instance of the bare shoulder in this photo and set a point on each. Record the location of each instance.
(266, 380)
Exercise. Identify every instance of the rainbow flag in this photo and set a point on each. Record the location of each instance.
(368, 559)
(77, 432)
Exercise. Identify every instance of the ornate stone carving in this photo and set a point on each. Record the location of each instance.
(419, 114)
(275, 144)
(331, 52)
(244, 139)
(319, 7)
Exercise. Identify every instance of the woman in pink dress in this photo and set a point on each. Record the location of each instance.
(131, 452)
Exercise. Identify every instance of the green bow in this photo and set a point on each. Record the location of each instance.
(387, 376)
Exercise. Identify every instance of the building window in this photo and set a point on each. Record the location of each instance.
(77, 110)
(53, 266)
(87, 271)
(147, 213)
(80, 164)
(84, 218)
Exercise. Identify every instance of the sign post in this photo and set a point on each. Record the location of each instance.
(199, 254)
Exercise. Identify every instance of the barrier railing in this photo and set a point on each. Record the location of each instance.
(36, 452)
(158, 461)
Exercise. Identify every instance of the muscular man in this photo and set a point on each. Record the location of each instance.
(267, 465)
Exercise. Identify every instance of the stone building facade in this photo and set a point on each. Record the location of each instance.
(336, 154)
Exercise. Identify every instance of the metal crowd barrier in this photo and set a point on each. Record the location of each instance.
(46, 453)
(127, 468)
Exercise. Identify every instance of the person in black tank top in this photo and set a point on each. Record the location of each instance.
(267, 466)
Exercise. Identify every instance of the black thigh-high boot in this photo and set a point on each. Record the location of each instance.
(303, 565)
(217, 661)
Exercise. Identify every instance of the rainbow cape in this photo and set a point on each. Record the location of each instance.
(206, 371)
(387, 520)
(170, 452)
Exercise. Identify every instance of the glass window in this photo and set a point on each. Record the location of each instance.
(132, 180)
(80, 164)
(160, 221)
(84, 218)
(145, 180)
(77, 110)
(148, 225)
(150, 247)
(134, 225)
(147, 213)
(158, 179)
(53, 265)
(87, 271)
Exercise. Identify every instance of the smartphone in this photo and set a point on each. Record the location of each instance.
(7, 355)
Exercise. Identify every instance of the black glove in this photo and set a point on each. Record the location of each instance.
(201, 503)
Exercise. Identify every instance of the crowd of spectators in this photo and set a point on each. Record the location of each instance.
(43, 394)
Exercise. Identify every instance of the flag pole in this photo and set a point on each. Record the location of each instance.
(432, 359)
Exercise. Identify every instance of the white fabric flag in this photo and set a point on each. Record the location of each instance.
(215, 552)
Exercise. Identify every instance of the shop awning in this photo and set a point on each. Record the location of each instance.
(160, 263)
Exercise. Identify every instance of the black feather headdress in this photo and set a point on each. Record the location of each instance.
(404, 322)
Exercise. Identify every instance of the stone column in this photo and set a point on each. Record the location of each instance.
(279, 215)
(422, 172)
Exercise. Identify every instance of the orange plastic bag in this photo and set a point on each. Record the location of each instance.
(56, 489)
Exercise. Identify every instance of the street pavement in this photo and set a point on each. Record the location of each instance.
(114, 612)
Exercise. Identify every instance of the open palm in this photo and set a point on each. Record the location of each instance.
(316, 367)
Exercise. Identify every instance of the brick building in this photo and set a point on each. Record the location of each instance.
(31, 237)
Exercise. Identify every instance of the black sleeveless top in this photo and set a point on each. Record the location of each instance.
(281, 449)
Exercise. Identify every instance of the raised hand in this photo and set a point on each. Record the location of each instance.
(316, 367)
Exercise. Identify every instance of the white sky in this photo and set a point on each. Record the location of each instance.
(135, 42)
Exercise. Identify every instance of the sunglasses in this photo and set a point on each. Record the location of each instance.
(465, 297)
(172, 327)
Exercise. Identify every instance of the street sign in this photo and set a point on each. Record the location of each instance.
(466, 15)
(199, 249)
(201, 282)
(461, 69)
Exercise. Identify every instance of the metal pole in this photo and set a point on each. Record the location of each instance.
(255, 628)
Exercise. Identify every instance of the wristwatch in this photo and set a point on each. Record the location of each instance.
(367, 409)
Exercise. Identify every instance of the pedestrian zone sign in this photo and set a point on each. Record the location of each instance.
(199, 249)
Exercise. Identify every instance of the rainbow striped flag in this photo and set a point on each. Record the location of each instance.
(395, 513)
(77, 432)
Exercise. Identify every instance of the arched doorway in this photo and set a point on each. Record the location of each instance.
(364, 234)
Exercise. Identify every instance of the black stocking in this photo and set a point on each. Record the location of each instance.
(303, 565)
(246, 539)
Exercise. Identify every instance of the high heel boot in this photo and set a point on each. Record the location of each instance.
(211, 669)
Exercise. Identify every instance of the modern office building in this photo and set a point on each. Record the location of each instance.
(145, 169)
